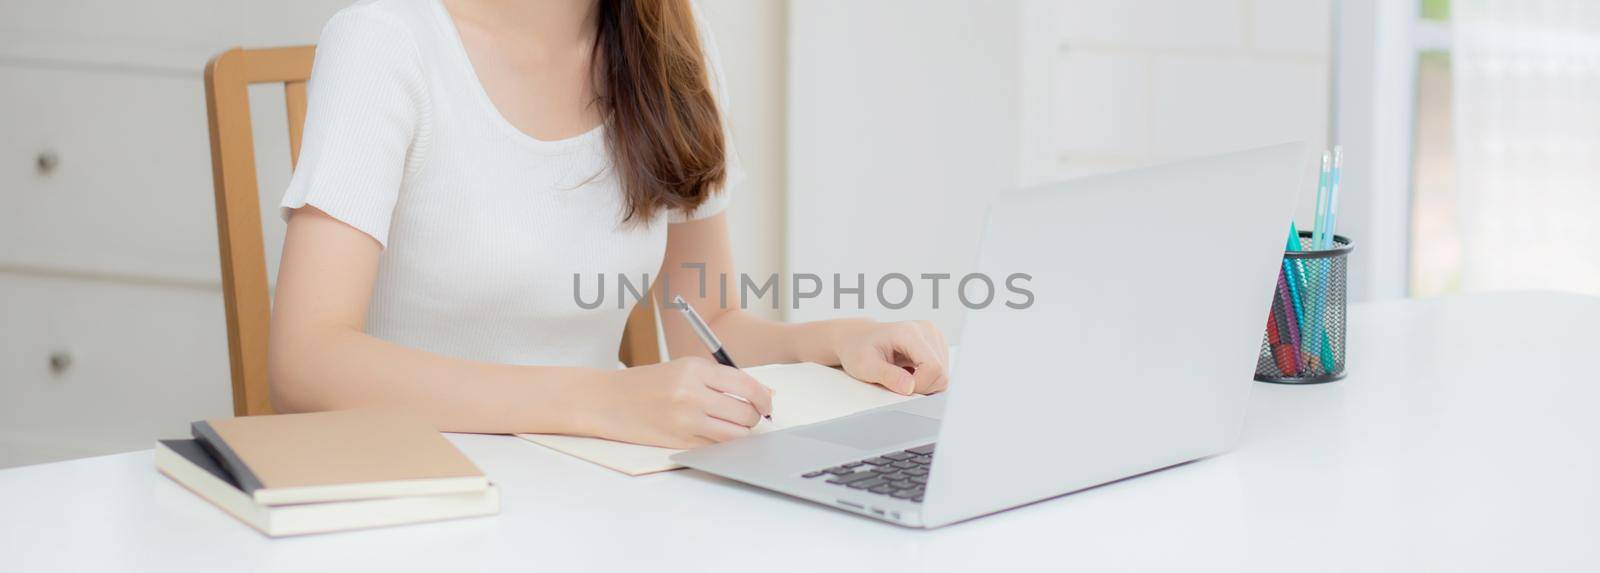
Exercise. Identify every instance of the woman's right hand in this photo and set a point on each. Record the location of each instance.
(679, 404)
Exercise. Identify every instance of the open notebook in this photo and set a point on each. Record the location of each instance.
(805, 394)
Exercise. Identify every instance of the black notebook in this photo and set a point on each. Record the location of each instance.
(195, 452)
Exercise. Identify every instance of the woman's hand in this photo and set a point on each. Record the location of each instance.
(679, 404)
(904, 357)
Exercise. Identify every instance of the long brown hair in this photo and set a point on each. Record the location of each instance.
(663, 128)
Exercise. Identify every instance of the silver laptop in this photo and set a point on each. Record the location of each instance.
(1152, 289)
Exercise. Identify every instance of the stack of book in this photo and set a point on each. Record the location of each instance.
(328, 471)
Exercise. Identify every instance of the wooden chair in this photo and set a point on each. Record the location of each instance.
(244, 267)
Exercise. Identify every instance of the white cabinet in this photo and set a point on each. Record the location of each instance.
(130, 190)
(91, 367)
(111, 318)
(154, 34)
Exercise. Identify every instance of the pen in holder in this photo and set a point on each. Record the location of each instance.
(1305, 338)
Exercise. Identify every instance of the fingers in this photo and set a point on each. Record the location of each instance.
(736, 382)
(912, 341)
(730, 409)
(717, 430)
(889, 375)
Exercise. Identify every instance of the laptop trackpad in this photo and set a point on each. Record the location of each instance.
(873, 431)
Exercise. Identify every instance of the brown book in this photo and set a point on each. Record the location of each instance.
(337, 456)
(188, 463)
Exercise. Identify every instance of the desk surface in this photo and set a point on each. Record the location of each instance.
(1464, 439)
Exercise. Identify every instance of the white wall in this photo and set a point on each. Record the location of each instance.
(1375, 99)
(1136, 82)
(905, 117)
(751, 34)
(902, 123)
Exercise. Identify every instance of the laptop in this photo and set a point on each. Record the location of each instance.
(1152, 289)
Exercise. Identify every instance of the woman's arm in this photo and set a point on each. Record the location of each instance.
(319, 358)
(881, 353)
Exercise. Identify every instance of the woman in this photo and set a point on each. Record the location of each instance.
(463, 161)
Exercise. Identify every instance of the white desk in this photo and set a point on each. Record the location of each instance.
(1465, 439)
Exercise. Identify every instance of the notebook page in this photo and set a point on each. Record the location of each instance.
(805, 394)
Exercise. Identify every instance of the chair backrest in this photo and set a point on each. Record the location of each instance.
(239, 235)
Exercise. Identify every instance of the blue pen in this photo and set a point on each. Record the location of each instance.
(1318, 226)
(1333, 197)
(1329, 230)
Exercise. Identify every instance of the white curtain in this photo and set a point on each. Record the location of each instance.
(1527, 133)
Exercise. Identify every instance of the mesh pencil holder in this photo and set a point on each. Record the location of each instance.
(1305, 338)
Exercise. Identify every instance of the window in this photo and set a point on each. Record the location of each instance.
(1435, 236)
(1506, 164)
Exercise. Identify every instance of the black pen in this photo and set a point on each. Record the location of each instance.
(709, 338)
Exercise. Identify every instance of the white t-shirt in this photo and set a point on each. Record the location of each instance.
(484, 228)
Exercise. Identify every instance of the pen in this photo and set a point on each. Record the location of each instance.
(1318, 225)
(709, 338)
(1330, 223)
(1297, 292)
(1280, 351)
(1331, 218)
(1289, 331)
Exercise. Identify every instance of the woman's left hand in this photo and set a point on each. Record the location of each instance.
(905, 357)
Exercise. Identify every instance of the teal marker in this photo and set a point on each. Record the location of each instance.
(1332, 216)
(1295, 275)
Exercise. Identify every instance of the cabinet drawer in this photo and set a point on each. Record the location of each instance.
(132, 364)
(111, 173)
(171, 34)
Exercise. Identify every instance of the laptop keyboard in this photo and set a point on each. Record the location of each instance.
(900, 475)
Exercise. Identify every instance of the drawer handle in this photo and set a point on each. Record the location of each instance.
(60, 361)
(47, 162)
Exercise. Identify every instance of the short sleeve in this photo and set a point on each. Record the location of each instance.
(718, 201)
(365, 113)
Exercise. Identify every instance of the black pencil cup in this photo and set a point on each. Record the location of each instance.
(1305, 339)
